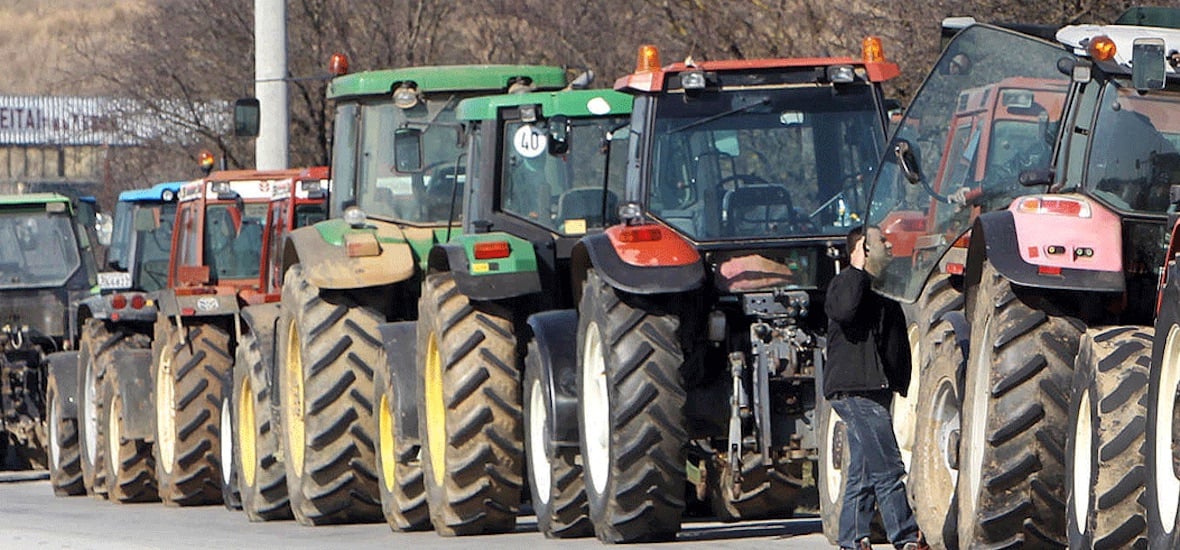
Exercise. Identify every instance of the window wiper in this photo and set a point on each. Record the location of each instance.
(721, 115)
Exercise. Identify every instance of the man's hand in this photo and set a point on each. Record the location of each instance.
(856, 256)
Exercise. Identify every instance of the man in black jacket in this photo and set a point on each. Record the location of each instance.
(868, 360)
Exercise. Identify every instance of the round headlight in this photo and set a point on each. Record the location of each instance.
(354, 216)
(405, 97)
(167, 195)
(629, 211)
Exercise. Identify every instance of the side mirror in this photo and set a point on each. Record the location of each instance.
(407, 150)
(1035, 177)
(559, 132)
(246, 116)
(907, 161)
(1148, 69)
(104, 227)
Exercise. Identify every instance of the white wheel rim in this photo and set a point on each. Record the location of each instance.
(538, 415)
(227, 442)
(1082, 465)
(54, 446)
(114, 437)
(974, 438)
(595, 410)
(166, 411)
(1167, 482)
(90, 415)
(948, 420)
(832, 475)
(905, 409)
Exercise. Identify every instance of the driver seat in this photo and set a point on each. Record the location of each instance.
(755, 210)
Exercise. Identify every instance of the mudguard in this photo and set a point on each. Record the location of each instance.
(601, 253)
(555, 334)
(133, 373)
(63, 366)
(320, 248)
(995, 237)
(400, 341)
(496, 279)
(172, 304)
(262, 320)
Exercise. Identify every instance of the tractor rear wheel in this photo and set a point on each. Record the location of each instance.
(328, 345)
(934, 461)
(1014, 416)
(556, 481)
(65, 460)
(95, 343)
(470, 414)
(130, 469)
(262, 479)
(1163, 423)
(399, 470)
(1108, 419)
(188, 378)
(631, 414)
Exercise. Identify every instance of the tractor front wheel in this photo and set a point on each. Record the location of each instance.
(65, 460)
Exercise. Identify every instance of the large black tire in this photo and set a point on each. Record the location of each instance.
(328, 344)
(556, 481)
(262, 479)
(1108, 416)
(1162, 448)
(94, 345)
(765, 492)
(399, 470)
(934, 460)
(631, 414)
(1011, 488)
(187, 380)
(470, 415)
(130, 466)
(65, 456)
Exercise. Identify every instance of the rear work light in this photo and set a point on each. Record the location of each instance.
(491, 250)
(1060, 206)
(640, 234)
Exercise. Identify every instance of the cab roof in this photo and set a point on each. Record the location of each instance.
(30, 199)
(154, 193)
(654, 81)
(1078, 37)
(444, 78)
(571, 103)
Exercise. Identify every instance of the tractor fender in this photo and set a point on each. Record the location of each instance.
(996, 238)
(262, 320)
(63, 366)
(660, 275)
(133, 373)
(488, 279)
(400, 340)
(555, 336)
(321, 250)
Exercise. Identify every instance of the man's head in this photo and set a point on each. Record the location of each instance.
(868, 249)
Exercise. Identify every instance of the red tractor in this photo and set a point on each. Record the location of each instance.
(700, 331)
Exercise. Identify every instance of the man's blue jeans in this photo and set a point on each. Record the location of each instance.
(874, 472)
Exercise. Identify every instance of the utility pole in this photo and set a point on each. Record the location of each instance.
(270, 85)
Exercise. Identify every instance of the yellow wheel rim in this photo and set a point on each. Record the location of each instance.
(385, 426)
(247, 453)
(436, 411)
(166, 409)
(294, 399)
(114, 436)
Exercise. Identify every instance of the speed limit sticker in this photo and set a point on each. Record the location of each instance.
(529, 142)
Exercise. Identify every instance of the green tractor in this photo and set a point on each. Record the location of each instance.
(539, 176)
(359, 269)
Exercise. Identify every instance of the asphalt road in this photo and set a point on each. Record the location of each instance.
(31, 517)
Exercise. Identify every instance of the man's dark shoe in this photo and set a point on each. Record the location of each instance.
(919, 545)
(865, 544)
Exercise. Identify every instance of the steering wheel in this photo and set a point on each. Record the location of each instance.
(743, 179)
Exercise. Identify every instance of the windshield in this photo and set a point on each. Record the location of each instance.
(153, 247)
(563, 192)
(764, 163)
(233, 240)
(1136, 153)
(982, 117)
(383, 192)
(36, 249)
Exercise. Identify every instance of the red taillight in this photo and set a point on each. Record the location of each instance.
(138, 301)
(1048, 270)
(492, 250)
(118, 301)
(1061, 206)
(640, 234)
(955, 269)
(186, 311)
